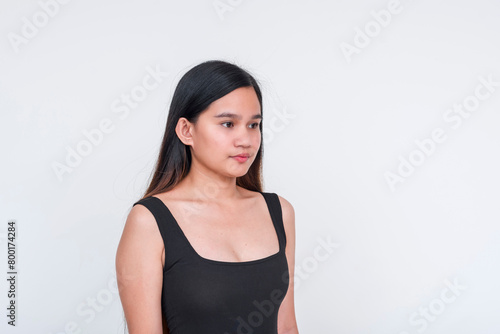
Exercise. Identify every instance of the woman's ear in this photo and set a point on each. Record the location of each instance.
(183, 130)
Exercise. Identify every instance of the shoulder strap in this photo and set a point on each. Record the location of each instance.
(274, 204)
(176, 246)
(157, 210)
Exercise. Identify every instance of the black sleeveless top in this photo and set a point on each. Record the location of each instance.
(200, 295)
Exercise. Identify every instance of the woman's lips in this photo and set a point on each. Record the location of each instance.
(240, 158)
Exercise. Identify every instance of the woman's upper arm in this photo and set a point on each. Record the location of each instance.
(286, 315)
(139, 272)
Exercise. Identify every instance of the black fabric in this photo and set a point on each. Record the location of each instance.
(203, 296)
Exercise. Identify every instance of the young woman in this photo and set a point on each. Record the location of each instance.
(205, 250)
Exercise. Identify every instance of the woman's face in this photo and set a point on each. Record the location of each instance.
(227, 128)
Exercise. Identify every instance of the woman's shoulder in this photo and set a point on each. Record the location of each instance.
(140, 216)
(287, 210)
(288, 214)
(288, 219)
(285, 204)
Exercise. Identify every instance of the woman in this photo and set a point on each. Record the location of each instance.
(206, 251)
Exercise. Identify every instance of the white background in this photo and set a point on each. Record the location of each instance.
(351, 120)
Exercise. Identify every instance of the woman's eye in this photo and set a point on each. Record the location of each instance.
(226, 123)
(256, 125)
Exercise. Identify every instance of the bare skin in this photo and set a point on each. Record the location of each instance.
(222, 221)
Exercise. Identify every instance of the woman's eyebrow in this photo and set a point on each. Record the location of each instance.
(235, 116)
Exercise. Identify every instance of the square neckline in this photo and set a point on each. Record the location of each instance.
(269, 257)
